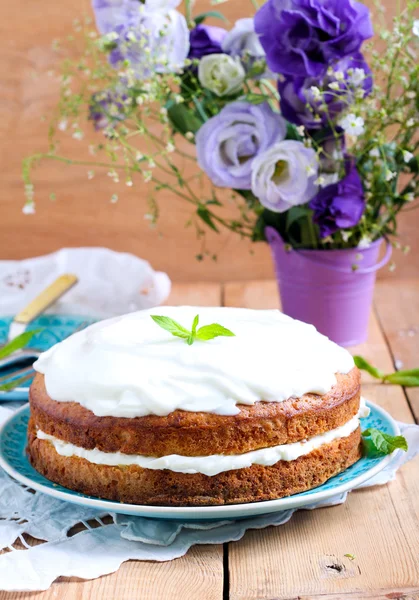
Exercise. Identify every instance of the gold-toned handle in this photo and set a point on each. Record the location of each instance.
(60, 286)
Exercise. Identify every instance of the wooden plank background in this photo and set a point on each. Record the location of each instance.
(82, 213)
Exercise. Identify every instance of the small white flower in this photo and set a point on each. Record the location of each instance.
(151, 163)
(375, 152)
(345, 235)
(359, 93)
(409, 197)
(147, 176)
(129, 183)
(221, 74)
(114, 198)
(339, 75)
(29, 208)
(301, 130)
(139, 100)
(163, 111)
(178, 99)
(139, 156)
(390, 175)
(316, 92)
(407, 156)
(78, 135)
(170, 147)
(62, 125)
(189, 135)
(334, 85)
(90, 174)
(356, 76)
(364, 242)
(410, 122)
(310, 170)
(415, 29)
(352, 124)
(320, 180)
(411, 95)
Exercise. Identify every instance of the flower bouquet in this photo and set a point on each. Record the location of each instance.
(284, 118)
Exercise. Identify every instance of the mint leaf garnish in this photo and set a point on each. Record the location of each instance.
(408, 378)
(383, 443)
(364, 365)
(207, 332)
(171, 326)
(19, 342)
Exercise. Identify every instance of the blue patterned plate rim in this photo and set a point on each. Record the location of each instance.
(54, 328)
(14, 461)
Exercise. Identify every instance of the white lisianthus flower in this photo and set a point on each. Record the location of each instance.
(243, 39)
(221, 74)
(352, 125)
(284, 175)
(415, 29)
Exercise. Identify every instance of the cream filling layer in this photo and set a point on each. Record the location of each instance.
(209, 465)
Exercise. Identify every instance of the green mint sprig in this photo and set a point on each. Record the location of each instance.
(19, 342)
(408, 378)
(378, 442)
(207, 332)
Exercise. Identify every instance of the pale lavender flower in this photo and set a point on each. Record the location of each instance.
(153, 36)
(228, 143)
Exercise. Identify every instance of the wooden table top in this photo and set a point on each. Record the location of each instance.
(305, 558)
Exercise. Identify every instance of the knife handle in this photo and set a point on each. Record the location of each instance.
(52, 293)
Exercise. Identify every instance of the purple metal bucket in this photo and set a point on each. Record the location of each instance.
(321, 287)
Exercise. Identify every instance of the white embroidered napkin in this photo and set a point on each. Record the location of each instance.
(125, 537)
(110, 283)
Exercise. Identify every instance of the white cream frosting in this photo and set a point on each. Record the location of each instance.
(130, 367)
(208, 465)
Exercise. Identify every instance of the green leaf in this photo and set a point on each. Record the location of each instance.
(209, 332)
(192, 336)
(364, 365)
(256, 98)
(171, 326)
(18, 343)
(204, 214)
(409, 378)
(383, 443)
(210, 13)
(182, 119)
(11, 385)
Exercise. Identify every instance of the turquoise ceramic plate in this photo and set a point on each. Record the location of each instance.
(14, 461)
(54, 328)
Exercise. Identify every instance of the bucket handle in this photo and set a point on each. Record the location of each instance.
(273, 236)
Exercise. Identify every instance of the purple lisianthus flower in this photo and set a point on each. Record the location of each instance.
(304, 37)
(227, 144)
(339, 205)
(108, 108)
(312, 102)
(205, 39)
(152, 37)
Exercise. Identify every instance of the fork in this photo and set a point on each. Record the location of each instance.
(11, 380)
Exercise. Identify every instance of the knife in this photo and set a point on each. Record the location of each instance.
(43, 301)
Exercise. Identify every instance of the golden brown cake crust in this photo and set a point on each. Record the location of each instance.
(199, 434)
(136, 485)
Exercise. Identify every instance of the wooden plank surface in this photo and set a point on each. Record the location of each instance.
(303, 559)
(397, 307)
(380, 526)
